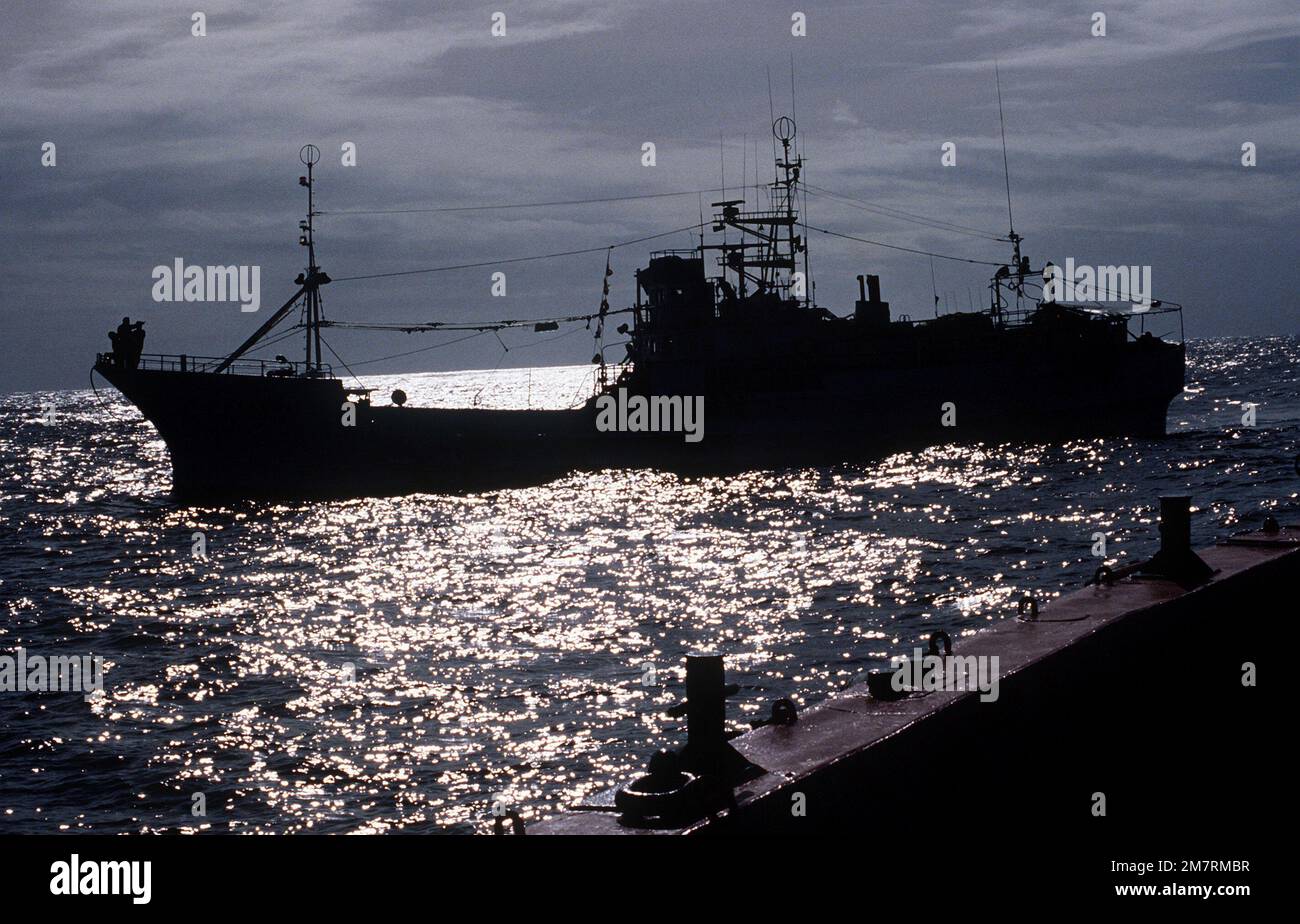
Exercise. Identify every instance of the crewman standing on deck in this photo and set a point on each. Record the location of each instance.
(128, 343)
(136, 341)
(120, 339)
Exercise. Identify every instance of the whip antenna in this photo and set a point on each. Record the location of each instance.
(1006, 171)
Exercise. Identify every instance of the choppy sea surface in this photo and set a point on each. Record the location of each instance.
(399, 664)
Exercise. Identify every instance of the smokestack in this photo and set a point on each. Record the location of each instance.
(873, 286)
(870, 309)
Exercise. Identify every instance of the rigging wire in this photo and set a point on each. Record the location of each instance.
(495, 326)
(283, 335)
(934, 287)
(1006, 171)
(529, 205)
(924, 253)
(641, 240)
(380, 359)
(342, 361)
(938, 224)
(544, 256)
(568, 333)
(504, 350)
(576, 401)
(484, 327)
(813, 189)
(102, 404)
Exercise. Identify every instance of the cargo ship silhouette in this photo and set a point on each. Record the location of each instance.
(730, 328)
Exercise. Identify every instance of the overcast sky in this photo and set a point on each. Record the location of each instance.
(1123, 149)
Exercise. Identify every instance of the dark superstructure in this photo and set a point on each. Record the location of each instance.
(733, 322)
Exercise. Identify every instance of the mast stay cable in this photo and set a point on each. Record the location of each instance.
(924, 253)
(543, 256)
(601, 200)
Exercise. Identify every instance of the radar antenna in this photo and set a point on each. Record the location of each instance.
(765, 257)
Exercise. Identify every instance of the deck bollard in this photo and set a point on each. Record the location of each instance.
(1176, 560)
(681, 786)
(706, 704)
(708, 751)
(1175, 525)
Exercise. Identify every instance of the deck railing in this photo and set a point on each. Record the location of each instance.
(1138, 322)
(167, 362)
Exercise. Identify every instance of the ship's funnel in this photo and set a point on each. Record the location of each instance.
(869, 308)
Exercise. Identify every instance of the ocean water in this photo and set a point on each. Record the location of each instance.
(399, 664)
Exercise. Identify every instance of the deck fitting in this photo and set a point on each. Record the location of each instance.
(1176, 561)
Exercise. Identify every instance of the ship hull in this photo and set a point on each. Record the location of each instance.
(256, 437)
(234, 437)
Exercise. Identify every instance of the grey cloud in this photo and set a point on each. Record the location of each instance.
(1123, 148)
